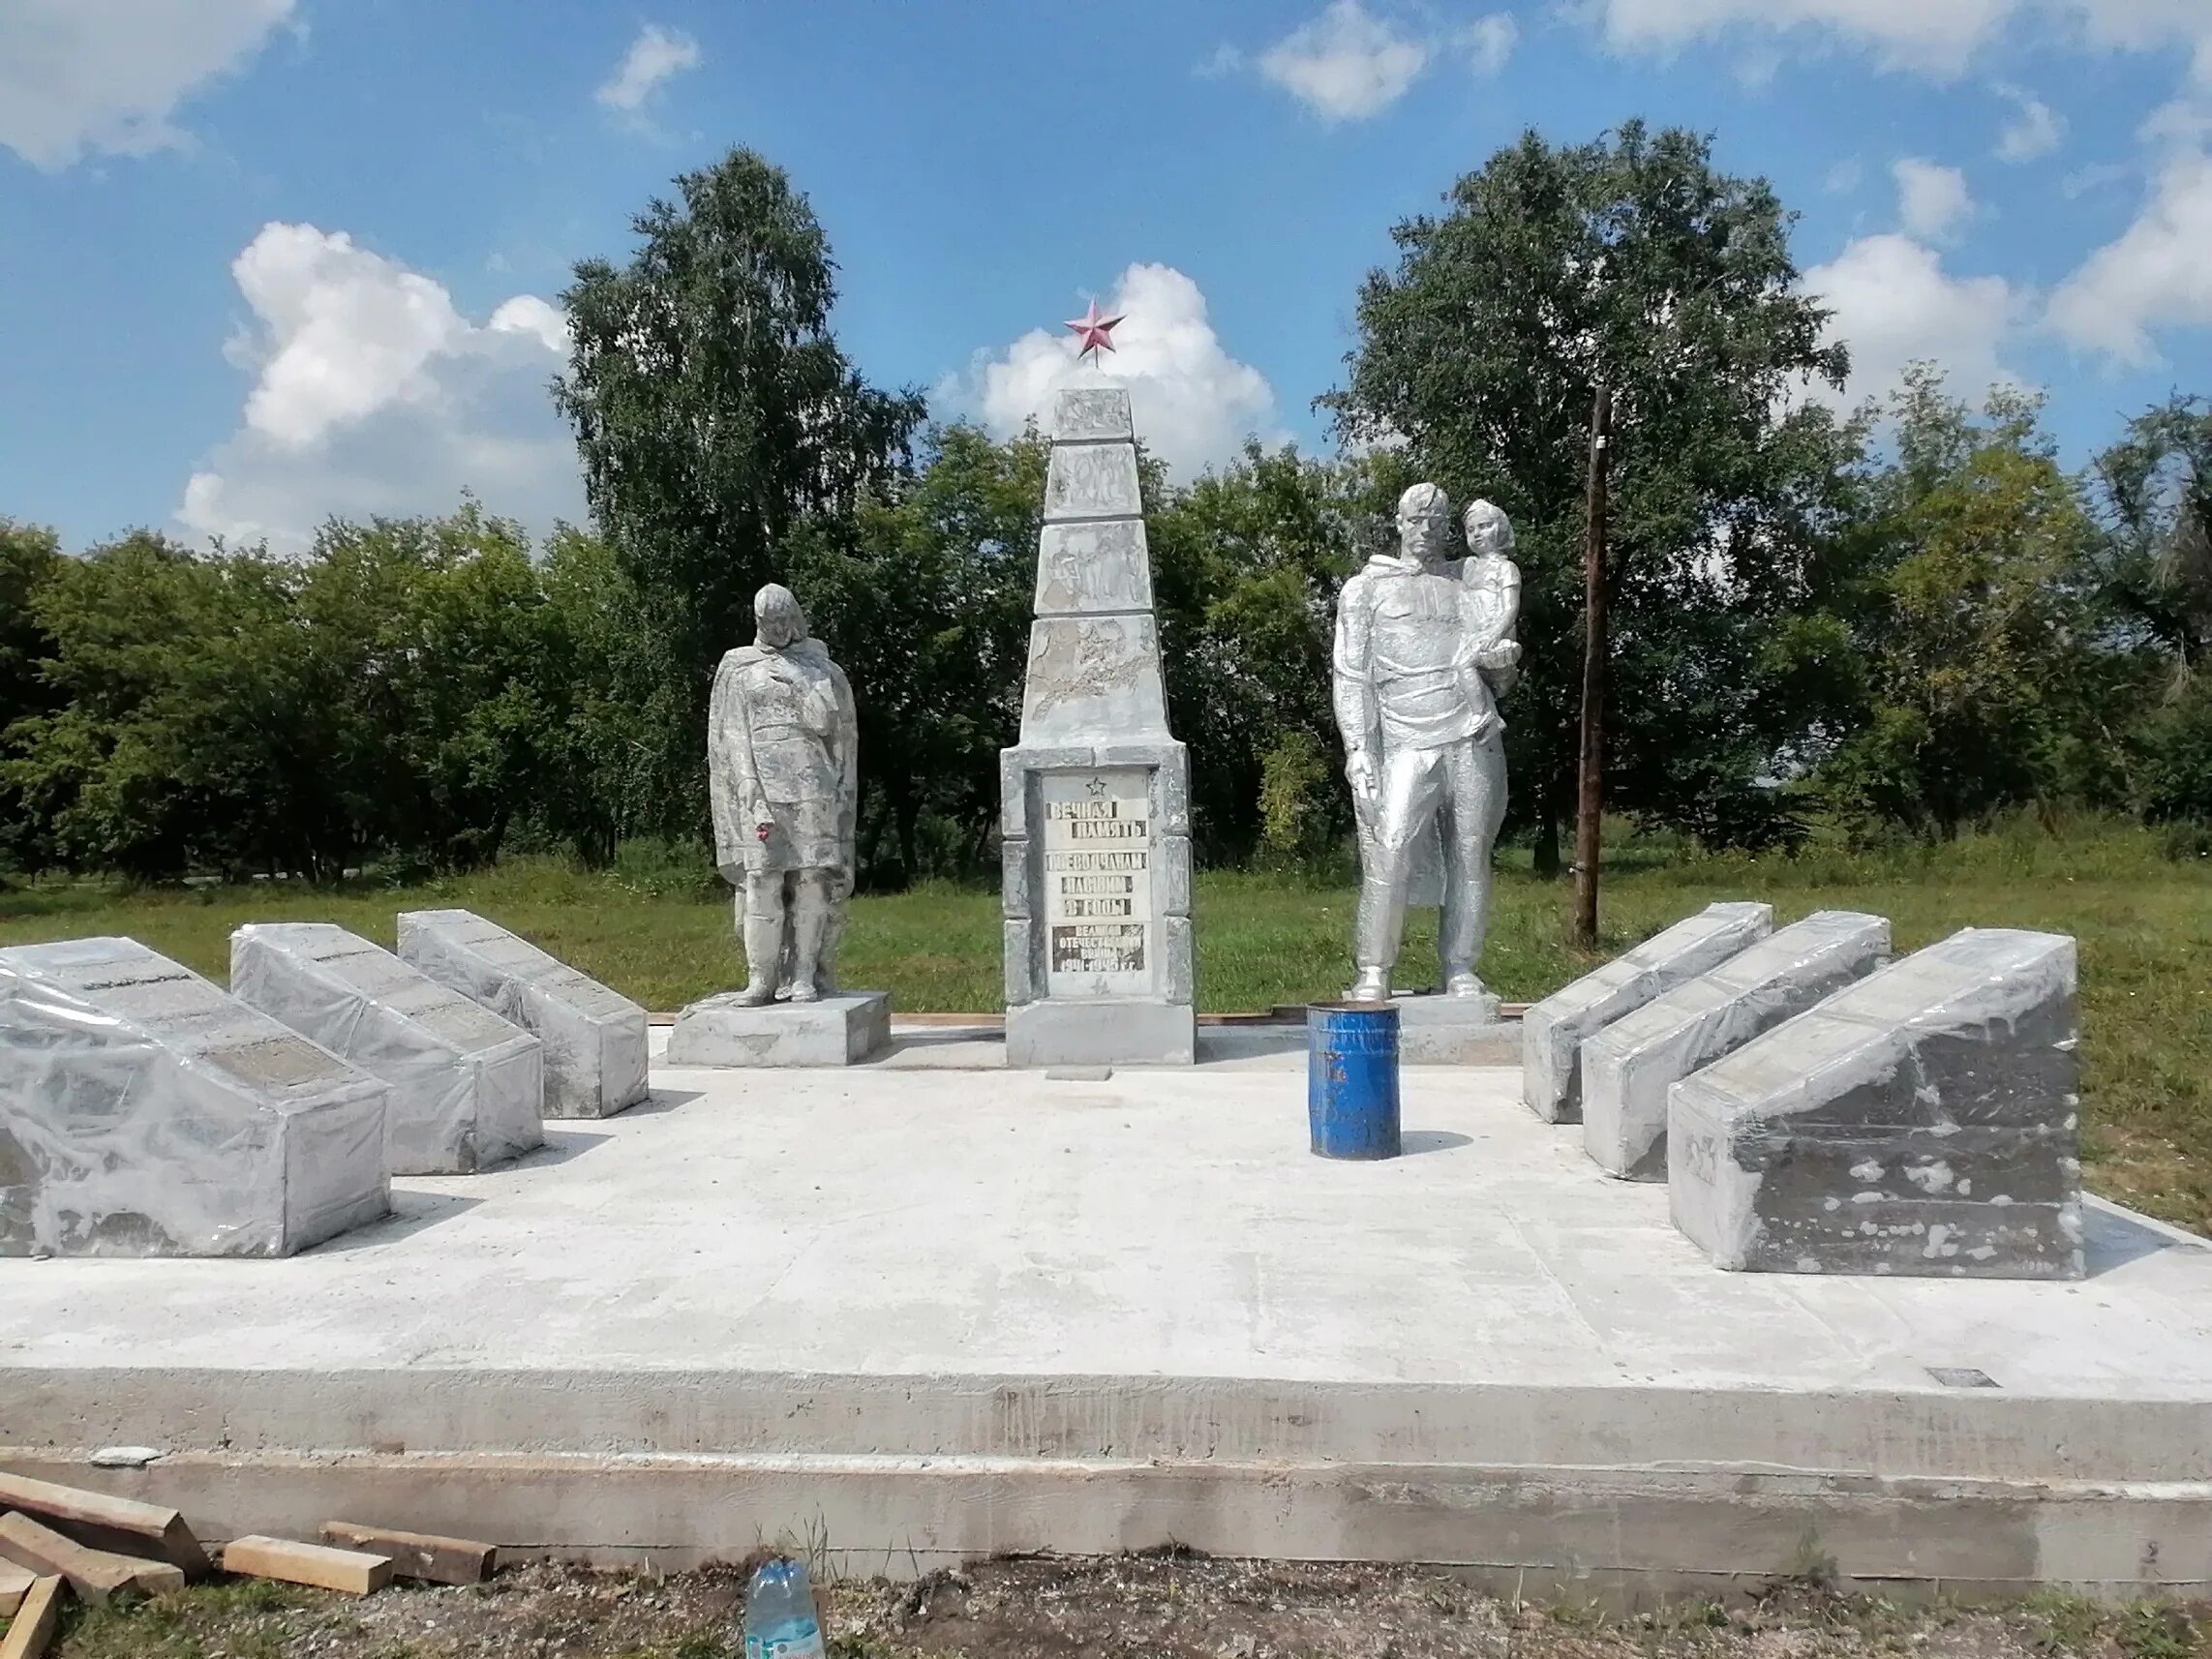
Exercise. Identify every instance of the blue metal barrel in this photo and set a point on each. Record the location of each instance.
(1352, 1079)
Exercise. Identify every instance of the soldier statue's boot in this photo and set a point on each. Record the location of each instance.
(1375, 938)
(764, 953)
(1461, 982)
(1372, 986)
(810, 930)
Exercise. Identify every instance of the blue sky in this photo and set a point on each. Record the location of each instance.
(262, 260)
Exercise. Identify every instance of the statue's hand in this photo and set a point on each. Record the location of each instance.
(1360, 773)
(1499, 658)
(734, 874)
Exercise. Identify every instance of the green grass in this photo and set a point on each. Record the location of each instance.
(2144, 920)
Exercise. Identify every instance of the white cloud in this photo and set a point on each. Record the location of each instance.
(1844, 177)
(1894, 304)
(1347, 63)
(654, 56)
(2156, 274)
(2035, 129)
(1932, 37)
(84, 77)
(374, 394)
(1195, 404)
(1490, 42)
(1932, 200)
(1936, 35)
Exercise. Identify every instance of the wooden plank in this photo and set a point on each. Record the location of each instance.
(33, 1626)
(351, 1572)
(94, 1575)
(120, 1524)
(14, 1585)
(419, 1555)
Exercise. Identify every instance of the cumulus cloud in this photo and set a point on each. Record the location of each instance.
(2155, 274)
(1490, 42)
(1894, 304)
(2035, 129)
(657, 54)
(1933, 37)
(86, 76)
(1932, 200)
(1195, 404)
(1347, 63)
(374, 394)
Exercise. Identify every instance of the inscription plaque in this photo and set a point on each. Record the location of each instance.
(1097, 850)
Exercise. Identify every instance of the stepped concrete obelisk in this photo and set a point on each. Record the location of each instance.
(1095, 799)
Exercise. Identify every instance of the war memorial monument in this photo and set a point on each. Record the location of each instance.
(1772, 1242)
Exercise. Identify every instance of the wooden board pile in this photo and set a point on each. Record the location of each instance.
(57, 1540)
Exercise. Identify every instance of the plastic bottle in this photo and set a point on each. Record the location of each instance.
(780, 1620)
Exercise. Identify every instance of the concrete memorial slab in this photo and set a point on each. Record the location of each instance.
(841, 1029)
(1095, 799)
(144, 1112)
(595, 1038)
(935, 1315)
(1554, 1030)
(1922, 1120)
(1628, 1067)
(467, 1088)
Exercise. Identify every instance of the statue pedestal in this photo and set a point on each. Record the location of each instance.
(1437, 1030)
(840, 1030)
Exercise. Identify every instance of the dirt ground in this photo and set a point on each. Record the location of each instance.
(1159, 1607)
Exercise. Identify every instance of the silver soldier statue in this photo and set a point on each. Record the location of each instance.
(782, 761)
(1424, 648)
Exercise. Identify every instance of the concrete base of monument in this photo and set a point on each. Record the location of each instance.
(841, 1029)
(1103, 1033)
(930, 1314)
(1436, 1030)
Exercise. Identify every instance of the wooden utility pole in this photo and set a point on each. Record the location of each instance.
(1591, 797)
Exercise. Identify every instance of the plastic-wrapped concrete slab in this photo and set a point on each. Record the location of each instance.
(1924, 1121)
(466, 1085)
(595, 1038)
(1554, 1030)
(143, 1112)
(1628, 1067)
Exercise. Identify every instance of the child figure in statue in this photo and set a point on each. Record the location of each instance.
(783, 758)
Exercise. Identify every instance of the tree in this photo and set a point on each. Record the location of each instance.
(609, 717)
(714, 414)
(924, 596)
(29, 555)
(1246, 564)
(1972, 630)
(2154, 564)
(1634, 262)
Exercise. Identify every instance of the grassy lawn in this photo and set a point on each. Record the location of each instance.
(2144, 921)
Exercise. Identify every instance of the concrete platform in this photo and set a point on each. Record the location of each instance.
(934, 1312)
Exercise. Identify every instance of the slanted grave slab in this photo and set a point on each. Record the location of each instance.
(1554, 1030)
(144, 1112)
(595, 1038)
(1924, 1121)
(1628, 1067)
(466, 1086)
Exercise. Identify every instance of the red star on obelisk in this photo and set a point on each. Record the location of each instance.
(1094, 332)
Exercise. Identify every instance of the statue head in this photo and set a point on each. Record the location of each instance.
(1488, 529)
(777, 620)
(1424, 518)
